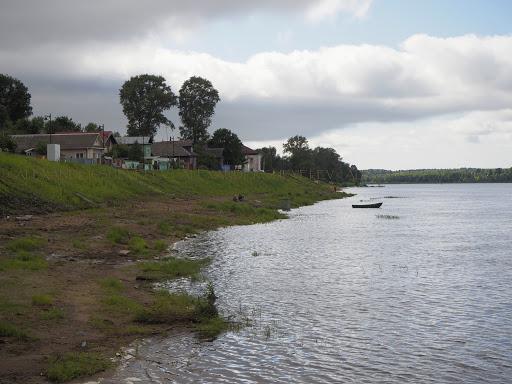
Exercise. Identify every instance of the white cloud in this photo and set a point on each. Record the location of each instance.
(324, 9)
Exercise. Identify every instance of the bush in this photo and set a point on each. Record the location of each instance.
(138, 245)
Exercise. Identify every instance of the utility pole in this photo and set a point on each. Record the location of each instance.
(102, 126)
(49, 117)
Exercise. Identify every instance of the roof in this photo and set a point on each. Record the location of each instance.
(172, 149)
(248, 151)
(65, 140)
(130, 140)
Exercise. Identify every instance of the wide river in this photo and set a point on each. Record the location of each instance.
(419, 291)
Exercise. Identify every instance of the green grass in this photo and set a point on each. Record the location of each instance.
(171, 268)
(24, 260)
(212, 327)
(160, 245)
(118, 235)
(111, 283)
(168, 308)
(138, 245)
(27, 244)
(42, 300)
(37, 185)
(10, 330)
(53, 314)
(74, 365)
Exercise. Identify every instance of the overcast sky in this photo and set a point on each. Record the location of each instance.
(389, 83)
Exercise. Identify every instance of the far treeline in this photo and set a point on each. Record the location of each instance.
(319, 163)
(438, 176)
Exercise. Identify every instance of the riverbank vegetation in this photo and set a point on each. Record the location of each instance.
(434, 176)
(77, 280)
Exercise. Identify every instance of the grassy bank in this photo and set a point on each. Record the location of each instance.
(33, 185)
(76, 283)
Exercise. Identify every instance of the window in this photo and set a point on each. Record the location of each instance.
(79, 155)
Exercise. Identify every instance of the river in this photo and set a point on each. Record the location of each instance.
(418, 291)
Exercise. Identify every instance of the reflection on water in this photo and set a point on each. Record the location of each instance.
(336, 294)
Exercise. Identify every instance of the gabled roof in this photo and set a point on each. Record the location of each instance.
(172, 149)
(130, 140)
(248, 151)
(65, 140)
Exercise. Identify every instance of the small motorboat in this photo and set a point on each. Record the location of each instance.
(372, 205)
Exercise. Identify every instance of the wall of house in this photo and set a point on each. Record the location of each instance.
(253, 163)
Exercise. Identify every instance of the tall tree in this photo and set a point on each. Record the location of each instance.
(224, 138)
(145, 98)
(197, 103)
(63, 124)
(300, 154)
(92, 127)
(14, 98)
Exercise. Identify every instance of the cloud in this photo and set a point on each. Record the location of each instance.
(28, 23)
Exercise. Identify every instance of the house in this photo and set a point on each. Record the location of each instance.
(108, 140)
(143, 141)
(76, 146)
(252, 160)
(180, 151)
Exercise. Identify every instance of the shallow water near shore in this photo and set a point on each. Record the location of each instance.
(418, 291)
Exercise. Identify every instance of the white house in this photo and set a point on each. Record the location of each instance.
(252, 160)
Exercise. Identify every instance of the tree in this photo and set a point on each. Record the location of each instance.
(29, 126)
(224, 138)
(63, 124)
(14, 98)
(145, 98)
(135, 152)
(92, 127)
(7, 144)
(300, 154)
(197, 103)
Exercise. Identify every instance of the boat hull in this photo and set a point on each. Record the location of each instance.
(376, 205)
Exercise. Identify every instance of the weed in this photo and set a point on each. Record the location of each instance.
(118, 235)
(42, 300)
(172, 268)
(160, 245)
(138, 245)
(111, 283)
(168, 308)
(74, 365)
(24, 260)
(10, 330)
(387, 217)
(212, 327)
(26, 244)
(53, 314)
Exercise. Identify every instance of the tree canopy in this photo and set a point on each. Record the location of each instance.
(144, 99)
(197, 101)
(62, 124)
(14, 99)
(224, 138)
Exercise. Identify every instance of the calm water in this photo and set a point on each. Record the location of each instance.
(336, 294)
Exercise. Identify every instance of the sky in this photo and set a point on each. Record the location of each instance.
(389, 84)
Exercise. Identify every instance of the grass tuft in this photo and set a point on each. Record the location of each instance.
(118, 235)
(74, 365)
(10, 330)
(53, 314)
(138, 245)
(27, 244)
(172, 268)
(42, 300)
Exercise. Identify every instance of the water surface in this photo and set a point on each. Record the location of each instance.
(336, 294)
